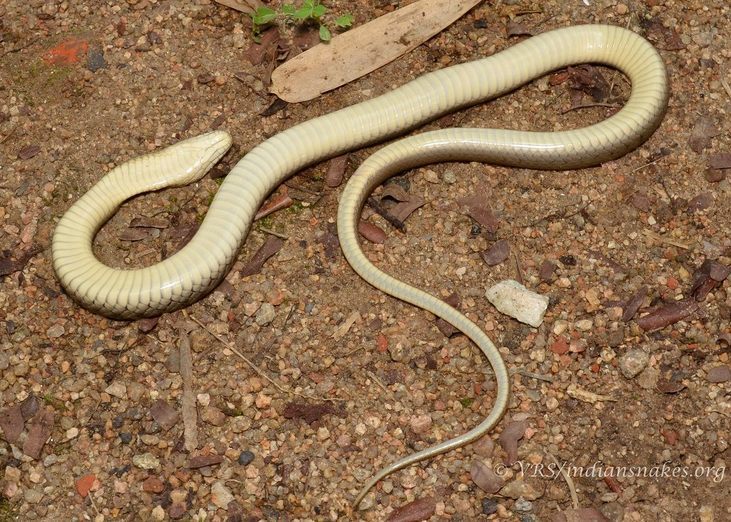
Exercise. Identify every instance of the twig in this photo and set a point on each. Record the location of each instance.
(258, 370)
(274, 233)
(377, 381)
(91, 499)
(645, 165)
(658, 237)
(590, 105)
(536, 376)
(517, 266)
(295, 186)
(12, 131)
(385, 214)
(726, 86)
(569, 481)
(190, 426)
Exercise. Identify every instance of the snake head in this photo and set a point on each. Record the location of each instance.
(197, 155)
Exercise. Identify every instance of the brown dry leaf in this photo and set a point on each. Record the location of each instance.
(282, 201)
(703, 132)
(39, 430)
(416, 511)
(669, 387)
(719, 374)
(497, 253)
(589, 79)
(371, 232)
(517, 29)
(12, 424)
(485, 478)
(665, 38)
(307, 412)
(9, 265)
(336, 171)
(266, 50)
(446, 328)
(134, 234)
(547, 271)
(479, 209)
(270, 247)
(404, 209)
(509, 438)
(201, 461)
(148, 324)
(720, 160)
(28, 152)
(164, 414)
(709, 276)
(245, 6)
(666, 315)
(363, 49)
(634, 304)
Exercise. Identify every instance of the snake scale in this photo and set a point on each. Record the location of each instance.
(200, 265)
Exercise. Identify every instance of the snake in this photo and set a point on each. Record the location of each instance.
(204, 261)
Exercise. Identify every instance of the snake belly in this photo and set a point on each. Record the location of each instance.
(201, 264)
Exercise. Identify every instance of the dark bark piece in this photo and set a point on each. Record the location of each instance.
(40, 429)
(701, 202)
(12, 424)
(371, 232)
(277, 105)
(30, 406)
(721, 160)
(446, 328)
(395, 192)
(164, 414)
(666, 315)
(270, 247)
(517, 29)
(634, 304)
(282, 201)
(709, 276)
(509, 438)
(336, 171)
(589, 79)
(404, 209)
(307, 412)
(9, 265)
(702, 133)
(416, 511)
(641, 202)
(497, 253)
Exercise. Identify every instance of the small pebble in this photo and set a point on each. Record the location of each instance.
(246, 458)
(265, 315)
(633, 362)
(515, 300)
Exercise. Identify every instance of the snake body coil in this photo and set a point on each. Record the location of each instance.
(199, 266)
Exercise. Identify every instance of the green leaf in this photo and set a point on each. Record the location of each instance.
(318, 10)
(263, 16)
(303, 13)
(325, 34)
(288, 9)
(308, 4)
(344, 21)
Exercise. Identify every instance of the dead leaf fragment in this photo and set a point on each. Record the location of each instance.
(517, 29)
(721, 160)
(164, 414)
(701, 202)
(479, 209)
(245, 6)
(587, 396)
(281, 202)
(668, 314)
(12, 424)
(9, 265)
(446, 328)
(702, 133)
(307, 412)
(669, 387)
(497, 253)
(145, 222)
(271, 246)
(589, 79)
(28, 152)
(580, 515)
(416, 511)
(40, 428)
(336, 171)
(634, 304)
(266, 50)
(485, 478)
(201, 461)
(708, 277)
(509, 438)
(344, 328)
(547, 271)
(719, 374)
(363, 49)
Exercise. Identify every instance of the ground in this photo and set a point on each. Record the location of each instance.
(87, 85)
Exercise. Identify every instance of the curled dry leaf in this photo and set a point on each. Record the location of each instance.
(589, 79)
(710, 275)
(145, 222)
(266, 50)
(668, 314)
(669, 387)
(134, 234)
(416, 511)
(28, 152)
(485, 478)
(509, 438)
(271, 246)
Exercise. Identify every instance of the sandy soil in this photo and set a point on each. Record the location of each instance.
(151, 72)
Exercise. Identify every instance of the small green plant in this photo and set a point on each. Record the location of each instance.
(310, 12)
